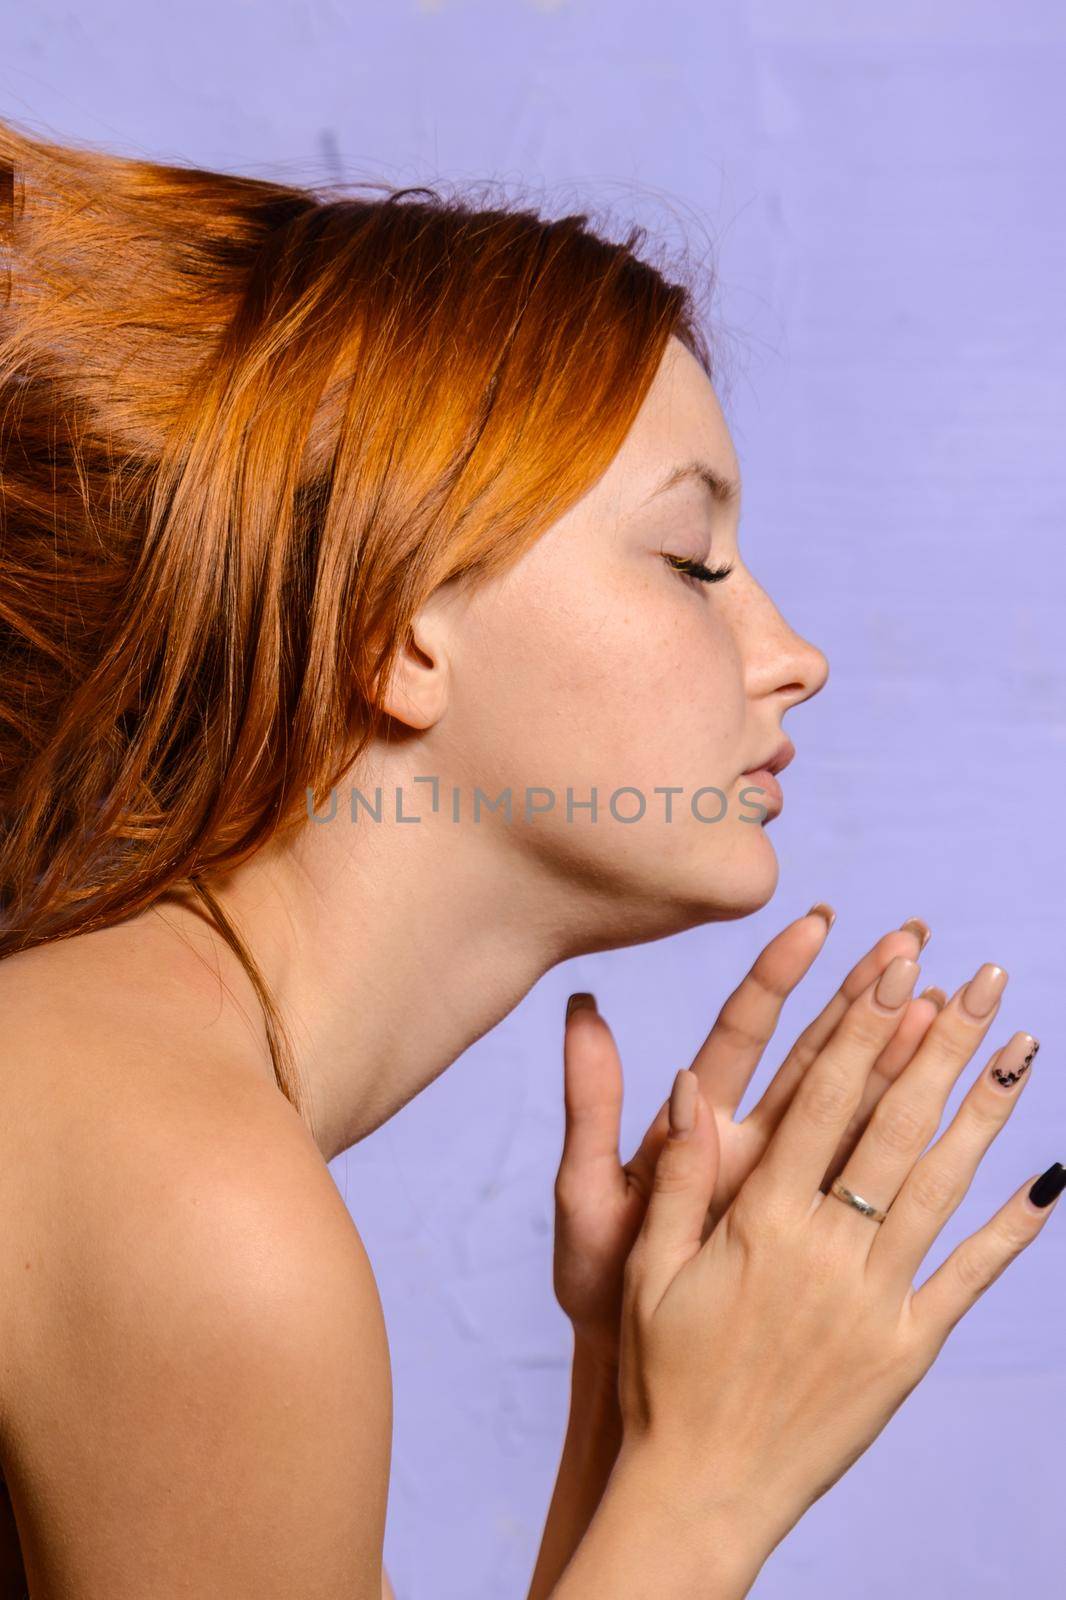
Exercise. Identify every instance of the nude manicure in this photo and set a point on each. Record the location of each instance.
(683, 1103)
(917, 926)
(983, 991)
(896, 983)
(576, 1001)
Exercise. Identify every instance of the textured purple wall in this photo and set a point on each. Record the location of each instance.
(882, 184)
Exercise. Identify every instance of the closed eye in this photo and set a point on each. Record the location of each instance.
(696, 569)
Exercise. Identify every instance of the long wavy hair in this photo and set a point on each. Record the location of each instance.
(246, 428)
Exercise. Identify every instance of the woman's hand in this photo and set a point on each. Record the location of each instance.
(759, 1363)
(600, 1203)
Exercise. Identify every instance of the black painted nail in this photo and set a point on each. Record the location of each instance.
(582, 998)
(1049, 1185)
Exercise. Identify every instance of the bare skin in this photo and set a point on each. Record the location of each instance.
(593, 662)
(102, 1059)
(194, 1375)
(722, 1456)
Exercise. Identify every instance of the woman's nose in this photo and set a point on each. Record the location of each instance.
(780, 661)
(805, 667)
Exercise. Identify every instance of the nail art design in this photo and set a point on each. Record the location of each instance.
(1007, 1078)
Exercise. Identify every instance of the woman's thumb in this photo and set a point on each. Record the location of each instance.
(592, 1097)
(684, 1180)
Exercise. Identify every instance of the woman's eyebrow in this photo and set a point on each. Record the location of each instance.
(724, 491)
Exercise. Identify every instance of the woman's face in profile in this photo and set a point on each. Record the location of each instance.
(594, 664)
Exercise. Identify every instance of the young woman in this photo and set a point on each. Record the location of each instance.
(375, 636)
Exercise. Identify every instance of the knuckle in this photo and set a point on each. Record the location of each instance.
(1013, 1232)
(866, 1031)
(746, 1220)
(806, 1049)
(670, 1177)
(980, 1262)
(731, 1024)
(954, 1043)
(900, 1126)
(935, 1188)
(975, 1269)
(763, 979)
(757, 1213)
(826, 1100)
(987, 1112)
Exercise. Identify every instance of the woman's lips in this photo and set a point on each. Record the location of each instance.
(771, 796)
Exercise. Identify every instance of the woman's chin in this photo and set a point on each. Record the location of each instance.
(723, 889)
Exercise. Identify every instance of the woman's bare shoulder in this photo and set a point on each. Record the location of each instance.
(155, 978)
(195, 1389)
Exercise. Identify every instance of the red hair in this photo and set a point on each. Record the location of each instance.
(246, 428)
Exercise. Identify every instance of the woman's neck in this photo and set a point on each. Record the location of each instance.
(389, 950)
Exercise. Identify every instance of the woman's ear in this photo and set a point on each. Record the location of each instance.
(417, 689)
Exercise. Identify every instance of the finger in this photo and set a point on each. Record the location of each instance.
(763, 1118)
(909, 1114)
(917, 1020)
(592, 1096)
(827, 1098)
(977, 1262)
(640, 1168)
(685, 1174)
(893, 1058)
(726, 1061)
(904, 941)
(938, 1182)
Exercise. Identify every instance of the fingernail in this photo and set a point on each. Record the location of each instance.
(896, 983)
(936, 995)
(1014, 1060)
(683, 1103)
(1049, 1185)
(922, 929)
(822, 910)
(983, 990)
(580, 999)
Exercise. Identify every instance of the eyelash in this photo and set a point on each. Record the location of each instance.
(696, 569)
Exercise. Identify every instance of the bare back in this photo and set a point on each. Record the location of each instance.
(195, 1388)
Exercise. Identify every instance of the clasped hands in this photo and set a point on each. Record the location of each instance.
(600, 1202)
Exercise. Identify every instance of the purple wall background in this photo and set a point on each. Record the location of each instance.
(883, 188)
